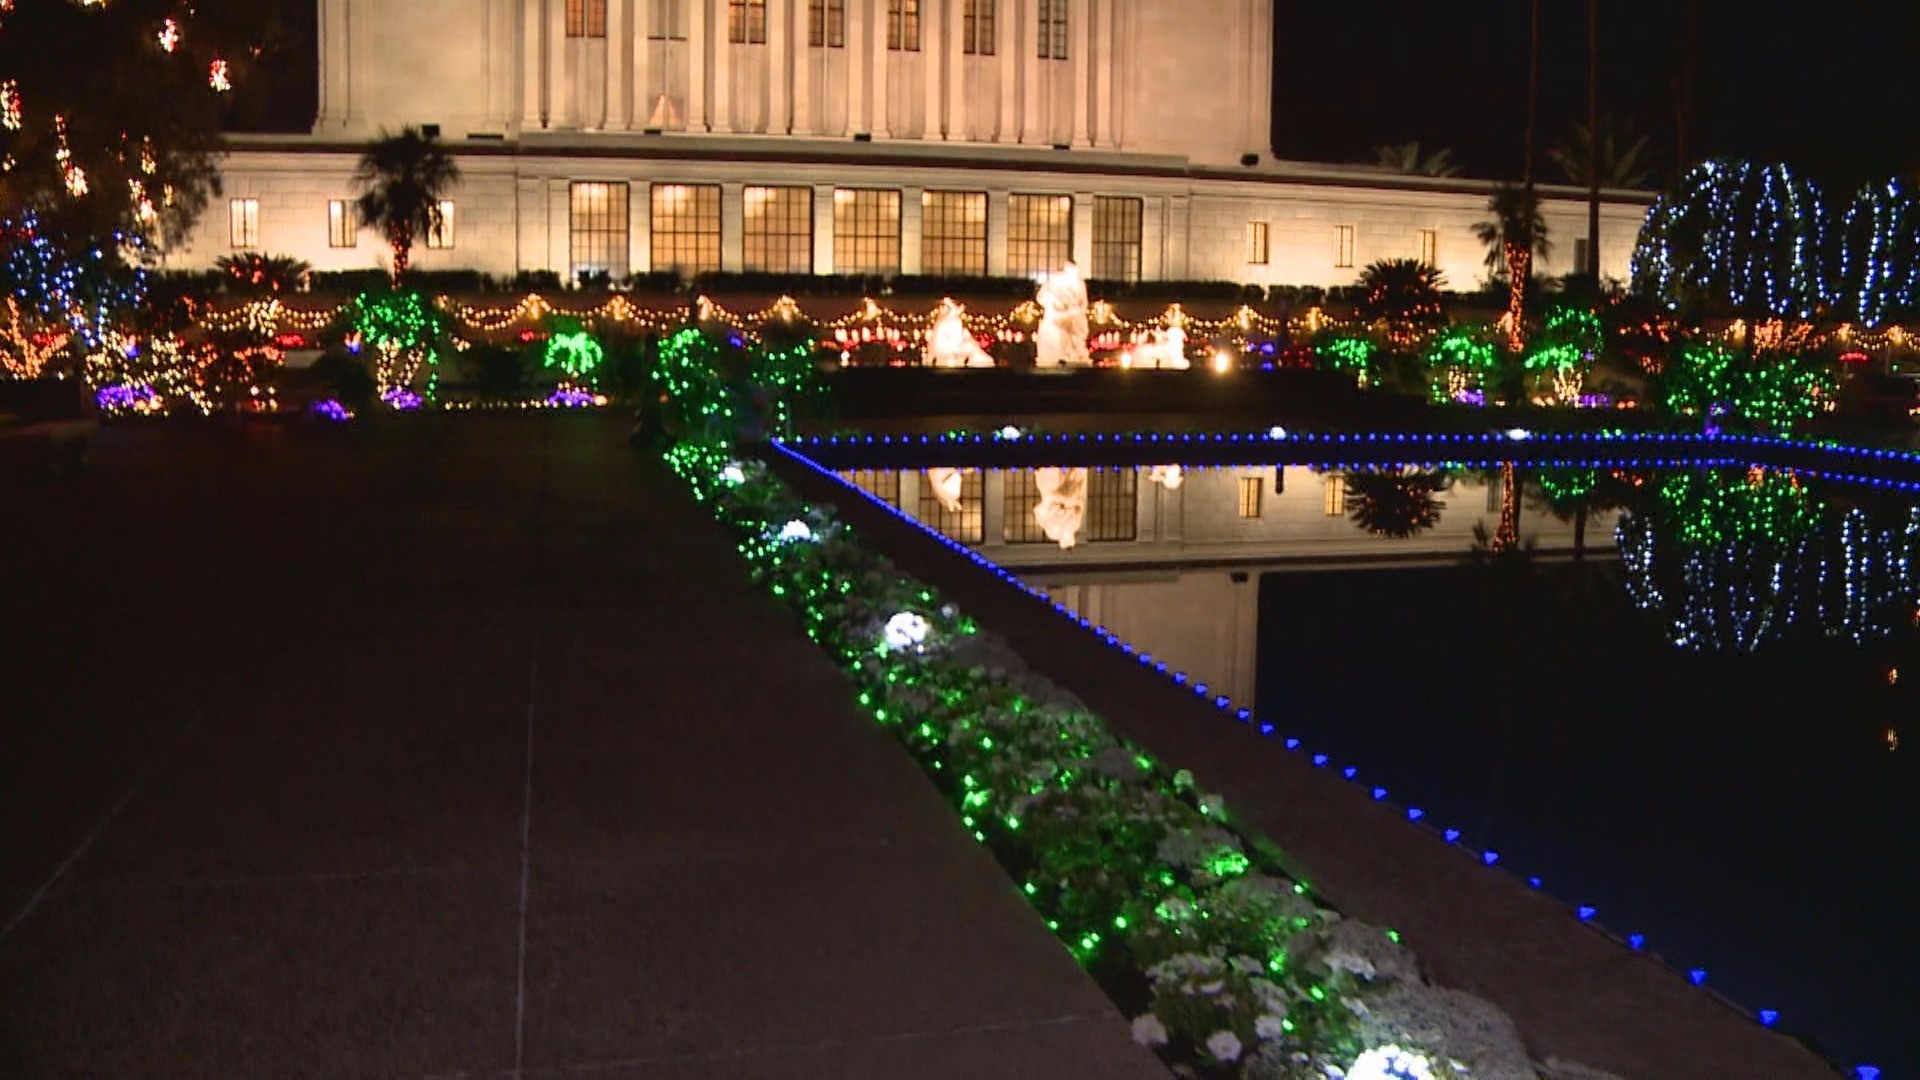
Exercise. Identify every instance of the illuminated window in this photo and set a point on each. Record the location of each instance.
(1493, 494)
(976, 33)
(587, 18)
(747, 22)
(598, 229)
(440, 237)
(1579, 254)
(1116, 239)
(903, 25)
(1257, 250)
(827, 24)
(866, 231)
(1430, 247)
(1053, 29)
(1335, 487)
(882, 484)
(1018, 498)
(1343, 245)
(342, 226)
(1039, 233)
(686, 228)
(953, 233)
(1112, 504)
(777, 226)
(1249, 496)
(669, 21)
(967, 524)
(243, 222)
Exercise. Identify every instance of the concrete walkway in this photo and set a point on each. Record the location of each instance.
(464, 746)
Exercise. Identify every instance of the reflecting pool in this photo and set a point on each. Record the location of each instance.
(1682, 695)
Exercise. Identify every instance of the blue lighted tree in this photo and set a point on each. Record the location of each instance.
(1878, 277)
(1735, 239)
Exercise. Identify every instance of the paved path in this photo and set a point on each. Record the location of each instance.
(465, 747)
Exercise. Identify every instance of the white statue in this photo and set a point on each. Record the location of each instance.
(1160, 349)
(1063, 503)
(947, 485)
(1167, 476)
(950, 344)
(1062, 338)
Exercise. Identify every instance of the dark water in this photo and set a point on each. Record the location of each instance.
(1739, 799)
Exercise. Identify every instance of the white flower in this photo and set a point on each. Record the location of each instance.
(906, 630)
(1390, 1063)
(733, 475)
(1149, 1031)
(1269, 1027)
(795, 530)
(1224, 1046)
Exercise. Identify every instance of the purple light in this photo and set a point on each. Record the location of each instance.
(119, 399)
(402, 399)
(570, 397)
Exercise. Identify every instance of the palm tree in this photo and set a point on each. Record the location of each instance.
(1514, 235)
(1405, 158)
(1395, 503)
(403, 178)
(1623, 159)
(1404, 294)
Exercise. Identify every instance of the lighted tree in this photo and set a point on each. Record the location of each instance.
(403, 179)
(1404, 295)
(1565, 350)
(1724, 388)
(1460, 361)
(573, 352)
(1735, 239)
(1878, 277)
(1515, 235)
(407, 333)
(1350, 354)
(1395, 503)
(61, 303)
(110, 112)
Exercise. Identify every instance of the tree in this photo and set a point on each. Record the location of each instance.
(403, 179)
(1395, 503)
(110, 113)
(1407, 159)
(254, 274)
(1623, 158)
(1404, 294)
(1878, 279)
(1736, 239)
(1515, 234)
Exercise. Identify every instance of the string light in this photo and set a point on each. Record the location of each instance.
(169, 36)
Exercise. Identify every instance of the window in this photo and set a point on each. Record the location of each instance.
(1112, 504)
(882, 484)
(866, 231)
(586, 18)
(1053, 29)
(1257, 250)
(967, 524)
(440, 237)
(1249, 496)
(342, 227)
(1336, 494)
(1343, 245)
(1495, 493)
(903, 25)
(686, 228)
(243, 222)
(1116, 239)
(1579, 254)
(976, 31)
(1018, 498)
(1039, 234)
(598, 229)
(669, 21)
(953, 233)
(778, 229)
(827, 24)
(1429, 247)
(747, 22)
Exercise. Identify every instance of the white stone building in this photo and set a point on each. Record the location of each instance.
(947, 137)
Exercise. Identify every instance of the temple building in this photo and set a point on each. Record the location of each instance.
(937, 137)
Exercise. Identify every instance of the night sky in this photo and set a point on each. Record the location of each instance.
(1800, 80)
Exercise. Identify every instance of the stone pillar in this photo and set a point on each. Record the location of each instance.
(1031, 69)
(530, 207)
(955, 52)
(533, 55)
(882, 67)
(823, 229)
(640, 112)
(1080, 53)
(932, 59)
(639, 227)
(997, 233)
(1176, 225)
(697, 34)
(336, 63)
(911, 231)
(780, 23)
(733, 233)
(802, 70)
(559, 72)
(722, 67)
(1007, 45)
(859, 25)
(619, 48)
(1104, 59)
(1082, 232)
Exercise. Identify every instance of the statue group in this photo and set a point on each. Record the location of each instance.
(1062, 337)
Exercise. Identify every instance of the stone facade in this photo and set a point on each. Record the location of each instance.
(1156, 108)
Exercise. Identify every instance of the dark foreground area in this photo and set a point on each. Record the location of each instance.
(463, 745)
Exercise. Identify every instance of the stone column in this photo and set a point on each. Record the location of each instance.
(802, 70)
(733, 233)
(1080, 52)
(619, 47)
(1031, 69)
(1007, 45)
(697, 34)
(641, 103)
(722, 68)
(1082, 232)
(958, 113)
(932, 58)
(336, 62)
(882, 65)
(859, 25)
(532, 63)
(780, 20)
(559, 72)
(997, 233)
(823, 229)
(1104, 59)
(911, 231)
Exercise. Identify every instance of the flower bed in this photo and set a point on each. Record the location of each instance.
(1227, 961)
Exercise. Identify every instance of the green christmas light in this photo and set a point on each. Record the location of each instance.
(575, 353)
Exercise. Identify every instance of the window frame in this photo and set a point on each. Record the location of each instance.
(668, 23)
(1052, 35)
(608, 229)
(946, 250)
(1333, 495)
(704, 239)
(342, 222)
(587, 19)
(1029, 235)
(977, 27)
(1128, 251)
(827, 24)
(1252, 488)
(861, 240)
(968, 525)
(903, 25)
(784, 237)
(243, 224)
(1428, 243)
(1259, 244)
(443, 236)
(1343, 245)
(746, 22)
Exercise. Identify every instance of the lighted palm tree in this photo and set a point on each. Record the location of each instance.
(1407, 159)
(403, 179)
(1515, 234)
(1404, 294)
(1395, 503)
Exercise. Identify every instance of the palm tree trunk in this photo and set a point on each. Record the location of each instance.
(402, 242)
(1593, 140)
(1519, 266)
(1507, 537)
